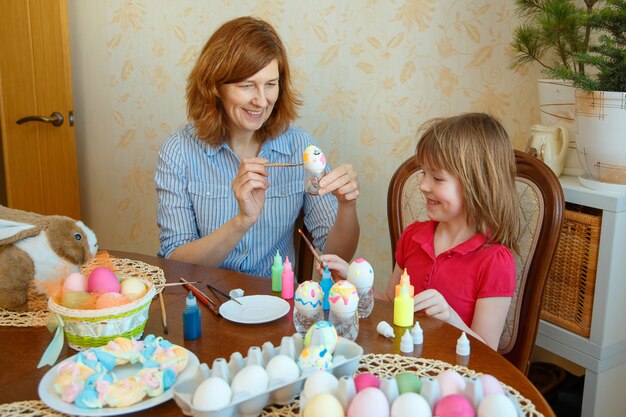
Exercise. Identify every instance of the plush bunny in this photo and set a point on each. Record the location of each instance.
(37, 247)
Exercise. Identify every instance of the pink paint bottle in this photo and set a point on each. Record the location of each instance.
(287, 278)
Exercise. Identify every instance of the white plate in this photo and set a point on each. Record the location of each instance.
(54, 401)
(254, 309)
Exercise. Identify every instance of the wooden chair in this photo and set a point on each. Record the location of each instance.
(304, 262)
(542, 208)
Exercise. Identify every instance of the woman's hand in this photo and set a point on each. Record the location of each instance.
(335, 263)
(433, 304)
(343, 182)
(249, 188)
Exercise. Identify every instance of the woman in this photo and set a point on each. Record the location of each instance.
(218, 204)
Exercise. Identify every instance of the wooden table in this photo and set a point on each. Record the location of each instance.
(21, 348)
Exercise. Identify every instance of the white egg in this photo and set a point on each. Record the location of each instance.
(320, 382)
(343, 298)
(496, 405)
(282, 369)
(252, 380)
(361, 273)
(212, 394)
(410, 404)
(309, 296)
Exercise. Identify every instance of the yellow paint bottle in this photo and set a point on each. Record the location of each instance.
(405, 280)
(403, 308)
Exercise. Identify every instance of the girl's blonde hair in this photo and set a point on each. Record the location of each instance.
(476, 149)
(236, 51)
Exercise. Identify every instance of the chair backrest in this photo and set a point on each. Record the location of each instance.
(541, 215)
(304, 262)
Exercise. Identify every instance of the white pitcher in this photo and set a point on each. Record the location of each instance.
(549, 144)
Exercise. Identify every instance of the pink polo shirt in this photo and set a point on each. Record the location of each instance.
(473, 269)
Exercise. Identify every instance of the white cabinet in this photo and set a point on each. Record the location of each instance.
(603, 353)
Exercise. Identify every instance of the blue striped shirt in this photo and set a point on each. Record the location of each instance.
(193, 182)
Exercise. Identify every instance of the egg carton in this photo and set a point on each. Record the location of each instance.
(346, 359)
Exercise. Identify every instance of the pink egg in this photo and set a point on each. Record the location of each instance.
(365, 380)
(454, 405)
(102, 280)
(75, 282)
(370, 402)
(450, 382)
(490, 384)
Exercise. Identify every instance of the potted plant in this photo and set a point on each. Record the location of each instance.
(551, 34)
(600, 98)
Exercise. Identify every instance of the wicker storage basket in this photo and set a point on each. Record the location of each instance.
(568, 295)
(92, 328)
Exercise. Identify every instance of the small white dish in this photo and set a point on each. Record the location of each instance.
(254, 309)
(54, 401)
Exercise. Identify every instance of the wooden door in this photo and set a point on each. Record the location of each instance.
(40, 170)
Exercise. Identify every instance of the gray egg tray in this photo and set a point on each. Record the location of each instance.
(345, 362)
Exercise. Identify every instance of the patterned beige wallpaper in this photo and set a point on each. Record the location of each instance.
(370, 71)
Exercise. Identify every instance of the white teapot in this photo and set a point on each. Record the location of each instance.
(549, 144)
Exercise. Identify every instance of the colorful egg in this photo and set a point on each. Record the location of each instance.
(111, 299)
(322, 333)
(102, 280)
(450, 382)
(490, 384)
(323, 405)
(309, 297)
(408, 382)
(315, 357)
(370, 402)
(314, 159)
(76, 300)
(343, 298)
(366, 380)
(134, 288)
(361, 273)
(454, 405)
(75, 282)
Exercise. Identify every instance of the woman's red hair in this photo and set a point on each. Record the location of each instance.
(237, 50)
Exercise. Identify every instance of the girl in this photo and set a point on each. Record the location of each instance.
(459, 261)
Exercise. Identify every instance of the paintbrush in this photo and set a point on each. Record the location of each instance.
(310, 245)
(174, 284)
(202, 297)
(163, 312)
(277, 164)
(213, 289)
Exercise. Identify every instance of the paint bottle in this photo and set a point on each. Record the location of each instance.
(192, 328)
(287, 280)
(326, 283)
(405, 280)
(403, 308)
(277, 272)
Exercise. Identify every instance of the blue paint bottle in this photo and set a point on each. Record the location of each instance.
(192, 328)
(326, 283)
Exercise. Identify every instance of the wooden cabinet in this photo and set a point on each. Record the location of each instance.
(603, 353)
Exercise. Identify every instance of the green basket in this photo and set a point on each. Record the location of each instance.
(92, 328)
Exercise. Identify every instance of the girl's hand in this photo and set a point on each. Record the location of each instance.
(335, 263)
(433, 304)
(343, 182)
(249, 188)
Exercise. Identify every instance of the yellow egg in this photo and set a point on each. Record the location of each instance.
(323, 405)
(133, 288)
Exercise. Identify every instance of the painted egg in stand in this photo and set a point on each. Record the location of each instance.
(314, 159)
(309, 296)
(361, 273)
(322, 333)
(343, 298)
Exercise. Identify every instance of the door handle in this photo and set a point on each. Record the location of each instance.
(55, 119)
